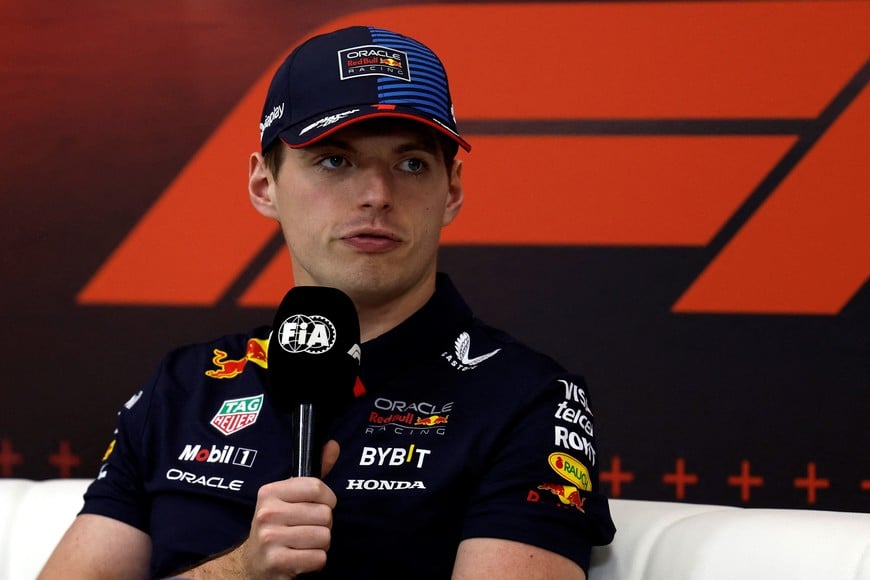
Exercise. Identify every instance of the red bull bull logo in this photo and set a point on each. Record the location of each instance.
(568, 494)
(391, 62)
(432, 420)
(229, 368)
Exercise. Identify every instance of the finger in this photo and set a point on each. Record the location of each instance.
(308, 537)
(278, 561)
(331, 452)
(297, 490)
(280, 518)
(299, 537)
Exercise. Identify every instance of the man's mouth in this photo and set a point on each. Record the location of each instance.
(372, 241)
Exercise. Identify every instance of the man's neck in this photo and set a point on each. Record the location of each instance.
(376, 319)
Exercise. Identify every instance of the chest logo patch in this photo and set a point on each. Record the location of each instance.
(236, 414)
(461, 358)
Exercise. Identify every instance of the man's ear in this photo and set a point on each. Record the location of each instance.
(455, 193)
(261, 186)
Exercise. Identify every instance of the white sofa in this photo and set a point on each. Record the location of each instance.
(654, 541)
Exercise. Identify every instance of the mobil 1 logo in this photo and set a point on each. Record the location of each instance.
(226, 454)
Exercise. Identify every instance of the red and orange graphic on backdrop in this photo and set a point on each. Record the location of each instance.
(735, 127)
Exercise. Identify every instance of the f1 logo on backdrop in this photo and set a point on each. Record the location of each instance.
(739, 127)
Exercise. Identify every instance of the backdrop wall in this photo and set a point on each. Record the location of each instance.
(670, 198)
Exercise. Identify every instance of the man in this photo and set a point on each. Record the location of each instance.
(469, 455)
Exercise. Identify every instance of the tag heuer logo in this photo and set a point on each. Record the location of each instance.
(236, 414)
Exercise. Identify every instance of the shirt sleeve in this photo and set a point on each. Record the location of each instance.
(118, 491)
(541, 485)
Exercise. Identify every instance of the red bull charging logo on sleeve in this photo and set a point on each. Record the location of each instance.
(568, 495)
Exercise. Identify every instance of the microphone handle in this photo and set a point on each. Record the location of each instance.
(306, 459)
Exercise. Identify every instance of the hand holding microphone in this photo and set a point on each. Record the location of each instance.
(313, 364)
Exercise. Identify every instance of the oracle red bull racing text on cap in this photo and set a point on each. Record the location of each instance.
(335, 79)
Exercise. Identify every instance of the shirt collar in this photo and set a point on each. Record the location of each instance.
(432, 328)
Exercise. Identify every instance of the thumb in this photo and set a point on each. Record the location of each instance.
(330, 455)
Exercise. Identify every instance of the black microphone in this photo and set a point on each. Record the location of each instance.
(313, 362)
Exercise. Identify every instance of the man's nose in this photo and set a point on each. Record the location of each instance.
(376, 188)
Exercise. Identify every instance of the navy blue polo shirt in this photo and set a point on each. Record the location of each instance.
(462, 432)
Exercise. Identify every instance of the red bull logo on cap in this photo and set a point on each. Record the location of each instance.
(229, 368)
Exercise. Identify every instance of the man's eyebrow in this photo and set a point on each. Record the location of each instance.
(329, 143)
(427, 145)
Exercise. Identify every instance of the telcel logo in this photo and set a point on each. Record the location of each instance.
(311, 334)
(226, 454)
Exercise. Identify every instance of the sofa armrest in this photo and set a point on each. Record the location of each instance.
(654, 540)
(676, 541)
(37, 515)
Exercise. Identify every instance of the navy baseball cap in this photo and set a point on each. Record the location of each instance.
(356, 73)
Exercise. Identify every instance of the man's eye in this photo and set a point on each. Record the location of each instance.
(333, 162)
(413, 165)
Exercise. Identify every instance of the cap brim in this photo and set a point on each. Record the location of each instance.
(305, 134)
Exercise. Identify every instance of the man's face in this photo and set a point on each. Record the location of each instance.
(362, 210)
